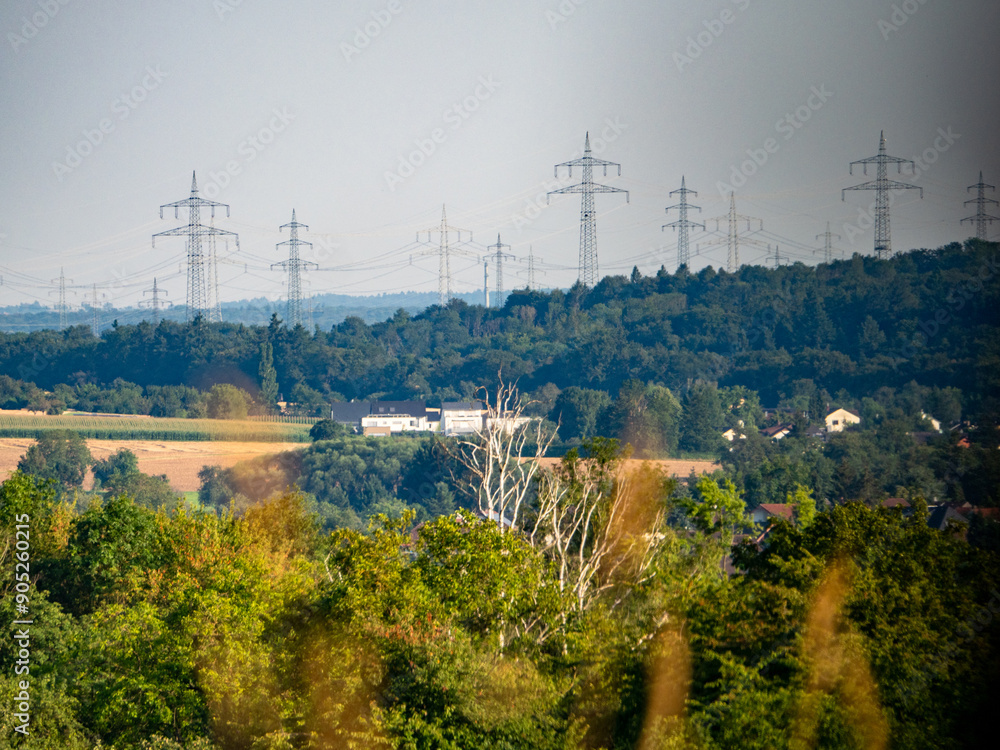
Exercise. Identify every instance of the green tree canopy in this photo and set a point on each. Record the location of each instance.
(61, 455)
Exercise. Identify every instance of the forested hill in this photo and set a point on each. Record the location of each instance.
(854, 325)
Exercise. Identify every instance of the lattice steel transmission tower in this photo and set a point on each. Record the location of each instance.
(498, 257)
(882, 185)
(95, 321)
(733, 238)
(294, 265)
(486, 282)
(682, 224)
(198, 288)
(588, 217)
(531, 268)
(444, 251)
(827, 243)
(982, 218)
(155, 302)
(61, 291)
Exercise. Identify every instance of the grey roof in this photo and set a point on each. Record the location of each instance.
(940, 515)
(399, 408)
(349, 412)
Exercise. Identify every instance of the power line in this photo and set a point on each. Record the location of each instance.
(827, 243)
(588, 217)
(733, 238)
(981, 218)
(197, 288)
(682, 224)
(155, 302)
(294, 265)
(881, 185)
(62, 297)
(498, 257)
(444, 251)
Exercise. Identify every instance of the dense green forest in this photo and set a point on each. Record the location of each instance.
(844, 329)
(427, 592)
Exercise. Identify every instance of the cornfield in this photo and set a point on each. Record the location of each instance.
(155, 428)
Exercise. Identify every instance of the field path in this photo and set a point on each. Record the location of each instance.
(179, 460)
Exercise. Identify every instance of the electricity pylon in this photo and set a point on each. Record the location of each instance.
(981, 218)
(733, 239)
(827, 243)
(881, 185)
(294, 265)
(61, 291)
(486, 283)
(588, 217)
(444, 251)
(498, 257)
(682, 224)
(154, 303)
(95, 321)
(198, 289)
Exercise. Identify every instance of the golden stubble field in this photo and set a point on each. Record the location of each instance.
(182, 460)
(179, 460)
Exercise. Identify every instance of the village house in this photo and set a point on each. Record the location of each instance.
(838, 419)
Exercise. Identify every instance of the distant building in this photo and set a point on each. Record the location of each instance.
(778, 431)
(766, 512)
(732, 435)
(462, 417)
(838, 419)
(817, 433)
(398, 416)
(391, 417)
(935, 424)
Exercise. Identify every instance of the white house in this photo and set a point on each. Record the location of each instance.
(462, 417)
(934, 423)
(838, 419)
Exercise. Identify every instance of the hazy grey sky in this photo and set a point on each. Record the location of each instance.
(324, 107)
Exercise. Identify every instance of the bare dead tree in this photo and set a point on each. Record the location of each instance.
(500, 457)
(600, 528)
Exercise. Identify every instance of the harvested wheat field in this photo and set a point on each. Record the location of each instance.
(179, 460)
(674, 467)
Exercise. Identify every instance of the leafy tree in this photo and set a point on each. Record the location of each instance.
(153, 492)
(268, 377)
(646, 417)
(327, 429)
(702, 419)
(577, 409)
(61, 455)
(804, 503)
(226, 401)
(108, 544)
(122, 463)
